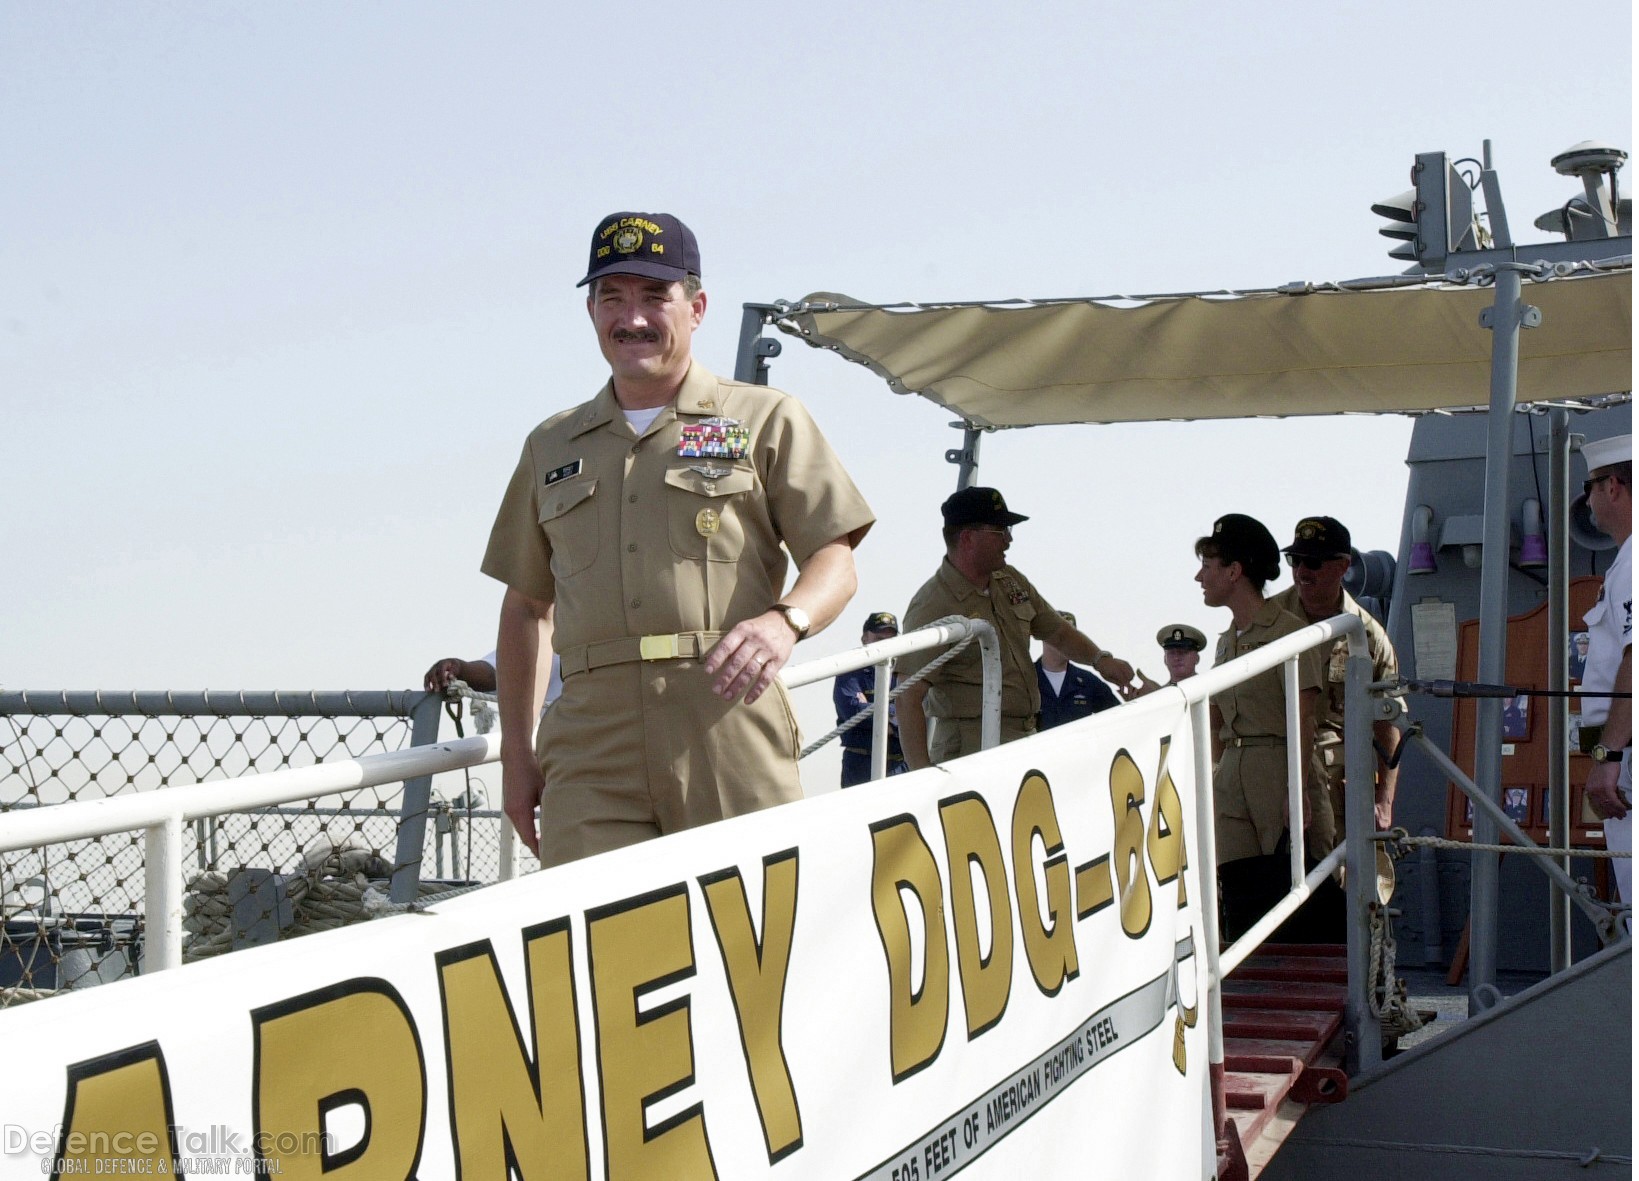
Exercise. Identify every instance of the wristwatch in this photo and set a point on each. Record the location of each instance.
(1604, 754)
(796, 617)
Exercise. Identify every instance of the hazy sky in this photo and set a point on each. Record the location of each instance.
(284, 285)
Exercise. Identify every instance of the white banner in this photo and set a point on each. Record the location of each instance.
(992, 969)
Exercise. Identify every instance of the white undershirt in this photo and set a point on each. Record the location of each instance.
(640, 419)
(1055, 679)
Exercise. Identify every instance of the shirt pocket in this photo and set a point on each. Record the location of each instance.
(569, 518)
(705, 513)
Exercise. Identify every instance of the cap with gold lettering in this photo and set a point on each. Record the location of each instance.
(653, 245)
(978, 506)
(882, 621)
(1181, 635)
(1319, 537)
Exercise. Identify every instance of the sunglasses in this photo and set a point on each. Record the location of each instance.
(1004, 530)
(1308, 562)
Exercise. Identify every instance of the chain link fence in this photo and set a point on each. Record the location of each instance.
(70, 913)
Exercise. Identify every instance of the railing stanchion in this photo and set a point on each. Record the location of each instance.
(990, 719)
(162, 867)
(412, 821)
(1205, 825)
(1296, 830)
(506, 867)
(1364, 1045)
(879, 720)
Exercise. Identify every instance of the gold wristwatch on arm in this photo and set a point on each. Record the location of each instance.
(795, 617)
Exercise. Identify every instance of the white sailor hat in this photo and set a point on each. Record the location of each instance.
(1608, 452)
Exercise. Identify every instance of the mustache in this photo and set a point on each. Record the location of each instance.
(626, 335)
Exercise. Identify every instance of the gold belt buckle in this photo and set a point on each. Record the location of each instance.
(657, 647)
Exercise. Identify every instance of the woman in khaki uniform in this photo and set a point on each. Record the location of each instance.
(1249, 724)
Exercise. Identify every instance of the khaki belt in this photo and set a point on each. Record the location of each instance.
(1255, 740)
(629, 649)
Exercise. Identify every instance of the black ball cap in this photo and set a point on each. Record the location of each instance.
(882, 621)
(1243, 539)
(978, 506)
(1319, 537)
(654, 245)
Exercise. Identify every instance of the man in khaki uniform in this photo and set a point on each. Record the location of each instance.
(1249, 738)
(1181, 648)
(641, 536)
(1319, 556)
(975, 581)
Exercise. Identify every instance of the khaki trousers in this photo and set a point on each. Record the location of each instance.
(639, 750)
(956, 737)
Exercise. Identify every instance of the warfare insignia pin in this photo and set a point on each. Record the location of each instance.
(710, 470)
(706, 522)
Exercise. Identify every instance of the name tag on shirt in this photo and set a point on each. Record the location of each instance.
(562, 473)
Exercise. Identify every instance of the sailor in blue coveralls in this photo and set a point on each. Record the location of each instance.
(855, 691)
(1078, 693)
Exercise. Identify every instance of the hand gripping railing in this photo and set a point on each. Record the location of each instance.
(161, 814)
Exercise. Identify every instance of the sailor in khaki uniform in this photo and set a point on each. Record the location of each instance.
(1319, 555)
(641, 535)
(1181, 648)
(975, 581)
(1249, 723)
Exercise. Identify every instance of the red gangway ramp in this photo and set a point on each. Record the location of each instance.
(1283, 1047)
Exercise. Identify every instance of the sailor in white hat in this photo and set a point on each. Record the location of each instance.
(1609, 721)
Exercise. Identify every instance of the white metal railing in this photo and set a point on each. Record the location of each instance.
(1365, 1050)
(882, 654)
(161, 815)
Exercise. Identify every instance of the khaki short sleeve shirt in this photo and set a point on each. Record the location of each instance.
(1011, 605)
(1250, 781)
(1335, 667)
(686, 528)
(1258, 707)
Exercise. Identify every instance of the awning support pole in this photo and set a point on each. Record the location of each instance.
(965, 457)
(1504, 318)
(751, 362)
(1559, 755)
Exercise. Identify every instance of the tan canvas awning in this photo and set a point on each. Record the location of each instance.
(1327, 351)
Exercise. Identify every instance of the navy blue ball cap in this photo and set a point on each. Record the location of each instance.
(882, 621)
(978, 506)
(1319, 537)
(653, 245)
